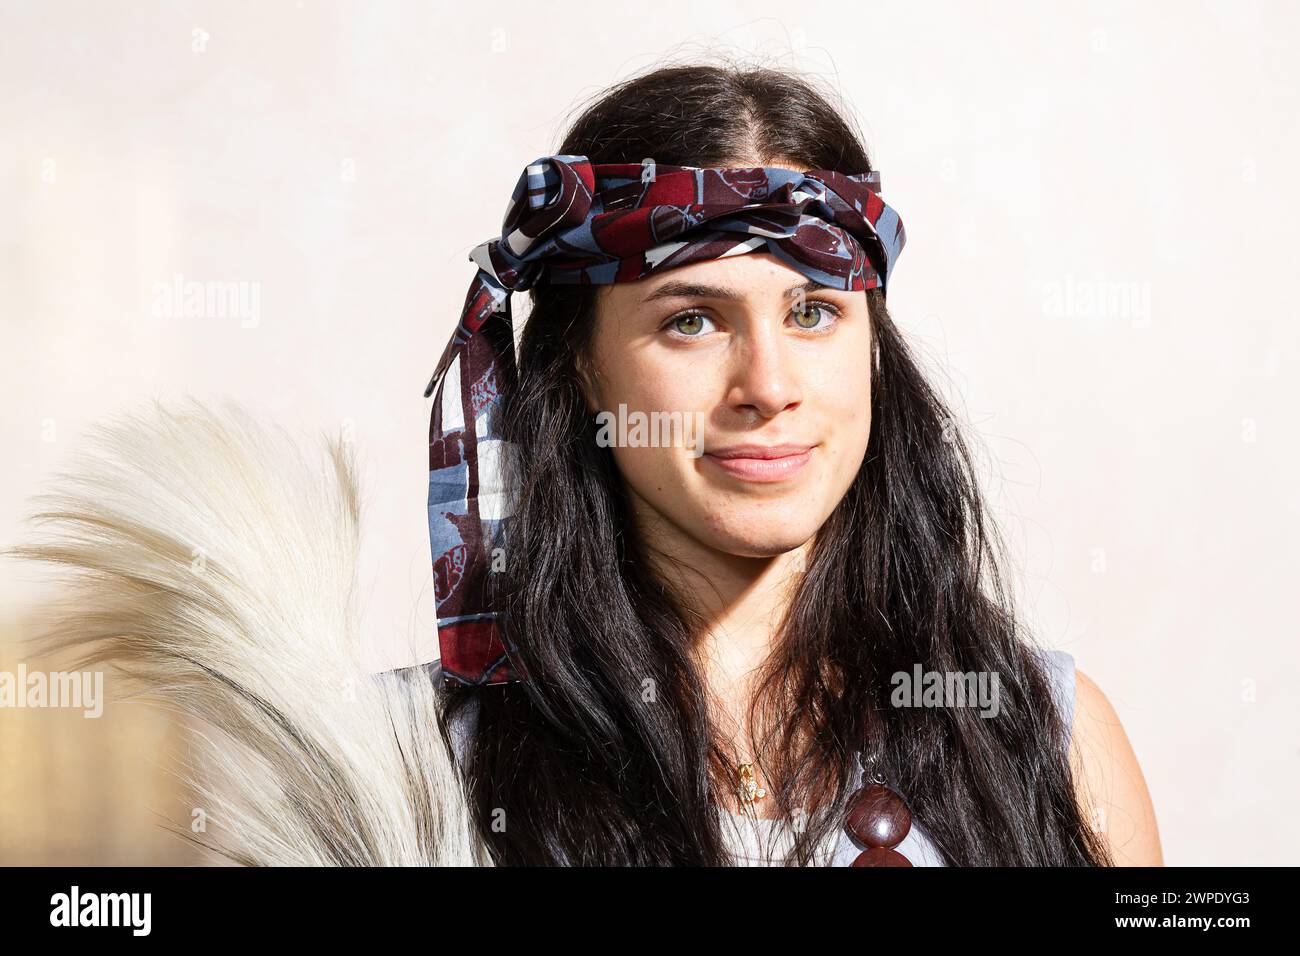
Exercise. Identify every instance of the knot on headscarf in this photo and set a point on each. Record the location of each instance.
(573, 222)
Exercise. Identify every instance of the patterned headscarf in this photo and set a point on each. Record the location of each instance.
(573, 222)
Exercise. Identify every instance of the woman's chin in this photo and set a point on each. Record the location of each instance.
(736, 524)
(764, 539)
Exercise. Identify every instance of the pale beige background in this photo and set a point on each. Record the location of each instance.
(1100, 202)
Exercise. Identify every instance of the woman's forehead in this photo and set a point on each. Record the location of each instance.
(738, 277)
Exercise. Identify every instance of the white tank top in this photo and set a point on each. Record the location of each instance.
(753, 841)
(756, 842)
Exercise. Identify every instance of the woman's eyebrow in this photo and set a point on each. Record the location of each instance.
(677, 288)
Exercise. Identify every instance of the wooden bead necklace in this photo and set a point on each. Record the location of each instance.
(877, 820)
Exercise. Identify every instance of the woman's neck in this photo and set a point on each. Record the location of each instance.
(737, 604)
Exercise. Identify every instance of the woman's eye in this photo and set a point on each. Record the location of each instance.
(690, 323)
(810, 316)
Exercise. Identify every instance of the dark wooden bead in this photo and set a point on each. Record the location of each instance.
(878, 817)
(881, 856)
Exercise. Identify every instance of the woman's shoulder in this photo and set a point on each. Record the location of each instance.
(1108, 778)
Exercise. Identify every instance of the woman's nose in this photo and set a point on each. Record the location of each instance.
(764, 374)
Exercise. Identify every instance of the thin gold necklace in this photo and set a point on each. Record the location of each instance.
(747, 788)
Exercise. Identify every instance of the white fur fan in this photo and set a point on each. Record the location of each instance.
(214, 562)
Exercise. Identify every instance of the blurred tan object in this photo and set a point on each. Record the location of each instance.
(86, 792)
(212, 561)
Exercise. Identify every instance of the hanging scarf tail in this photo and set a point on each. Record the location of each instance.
(469, 499)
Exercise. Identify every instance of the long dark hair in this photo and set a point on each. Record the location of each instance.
(606, 756)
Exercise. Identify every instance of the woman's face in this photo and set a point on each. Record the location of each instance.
(771, 390)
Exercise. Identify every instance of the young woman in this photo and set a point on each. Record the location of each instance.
(714, 642)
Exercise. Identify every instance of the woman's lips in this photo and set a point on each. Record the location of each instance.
(759, 463)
